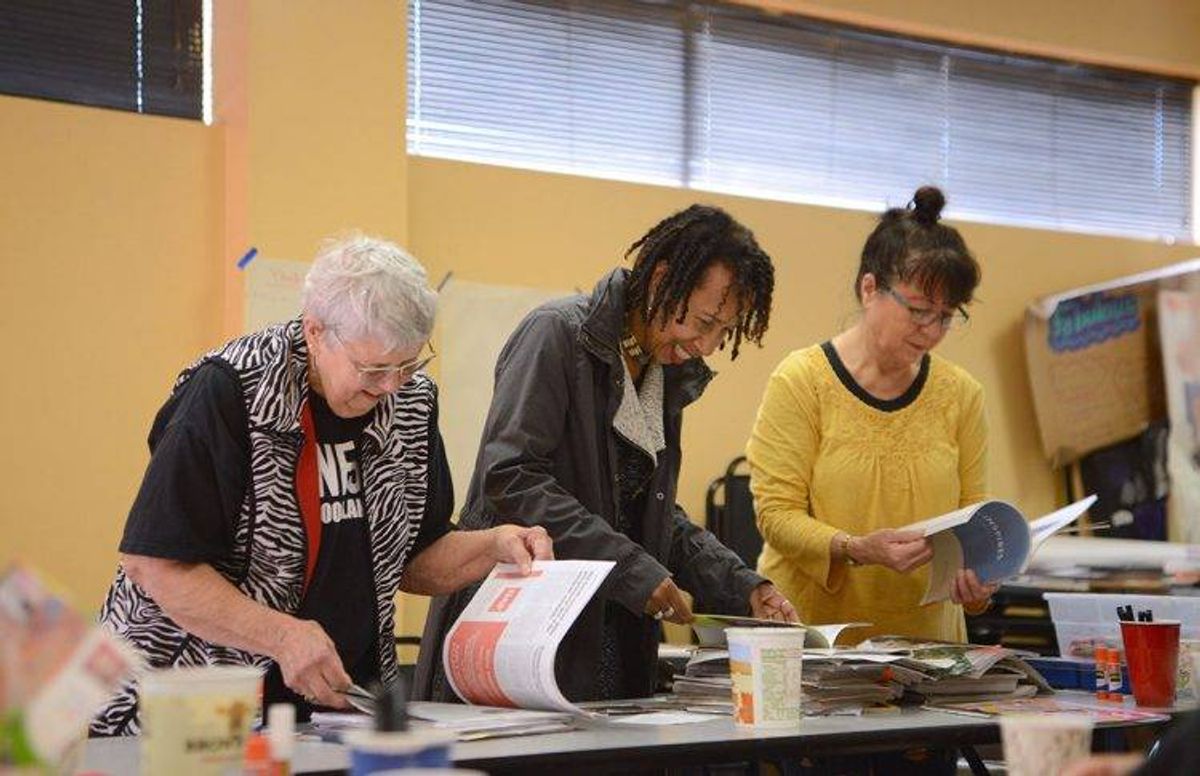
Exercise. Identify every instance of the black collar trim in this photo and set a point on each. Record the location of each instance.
(883, 405)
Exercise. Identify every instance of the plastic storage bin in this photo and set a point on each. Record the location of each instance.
(1084, 620)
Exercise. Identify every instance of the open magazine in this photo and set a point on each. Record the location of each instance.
(992, 538)
(500, 651)
(710, 629)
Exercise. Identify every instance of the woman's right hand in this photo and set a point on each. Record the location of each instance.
(897, 549)
(667, 603)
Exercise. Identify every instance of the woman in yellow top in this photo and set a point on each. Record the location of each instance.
(866, 433)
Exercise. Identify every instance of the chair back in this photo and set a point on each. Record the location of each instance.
(731, 518)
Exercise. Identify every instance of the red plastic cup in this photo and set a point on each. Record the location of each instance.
(1152, 653)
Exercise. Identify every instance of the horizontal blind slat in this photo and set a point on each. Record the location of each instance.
(797, 110)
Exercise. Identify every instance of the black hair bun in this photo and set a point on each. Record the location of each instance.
(927, 205)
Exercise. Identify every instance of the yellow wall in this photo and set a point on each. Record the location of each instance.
(120, 233)
(108, 230)
(326, 122)
(493, 224)
(1159, 35)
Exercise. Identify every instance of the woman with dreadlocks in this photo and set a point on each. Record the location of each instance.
(582, 438)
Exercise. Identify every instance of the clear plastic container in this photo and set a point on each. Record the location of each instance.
(1084, 620)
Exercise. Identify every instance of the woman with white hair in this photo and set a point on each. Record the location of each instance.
(297, 482)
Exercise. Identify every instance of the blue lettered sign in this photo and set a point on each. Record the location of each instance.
(1087, 320)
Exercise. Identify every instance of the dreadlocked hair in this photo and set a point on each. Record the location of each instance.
(688, 243)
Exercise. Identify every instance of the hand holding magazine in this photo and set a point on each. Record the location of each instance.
(500, 651)
(992, 538)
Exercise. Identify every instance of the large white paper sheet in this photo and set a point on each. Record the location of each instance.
(273, 289)
(474, 320)
(1179, 334)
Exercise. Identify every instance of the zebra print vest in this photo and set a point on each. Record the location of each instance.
(267, 560)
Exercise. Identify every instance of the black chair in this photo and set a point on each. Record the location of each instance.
(732, 520)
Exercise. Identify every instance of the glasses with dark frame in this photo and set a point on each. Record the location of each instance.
(924, 316)
(378, 375)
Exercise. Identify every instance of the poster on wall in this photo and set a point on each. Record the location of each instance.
(1179, 331)
(272, 291)
(474, 320)
(1095, 363)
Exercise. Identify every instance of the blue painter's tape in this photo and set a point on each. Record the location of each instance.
(250, 254)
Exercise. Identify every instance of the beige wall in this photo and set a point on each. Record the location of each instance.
(119, 232)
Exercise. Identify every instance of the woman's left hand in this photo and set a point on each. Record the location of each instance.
(521, 545)
(767, 603)
(969, 591)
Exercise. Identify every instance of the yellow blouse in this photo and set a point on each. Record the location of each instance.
(826, 456)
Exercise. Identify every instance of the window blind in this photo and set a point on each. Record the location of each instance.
(722, 98)
(593, 88)
(135, 55)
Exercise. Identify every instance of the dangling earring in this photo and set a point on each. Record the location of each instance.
(632, 348)
(629, 343)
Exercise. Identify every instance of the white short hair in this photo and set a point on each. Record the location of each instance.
(367, 288)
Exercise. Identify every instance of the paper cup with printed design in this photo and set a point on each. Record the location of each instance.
(196, 720)
(765, 665)
(1038, 744)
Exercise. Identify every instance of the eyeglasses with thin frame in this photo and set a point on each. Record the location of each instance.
(378, 375)
(924, 316)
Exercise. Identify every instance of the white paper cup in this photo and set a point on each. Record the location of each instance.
(196, 720)
(374, 752)
(1040, 744)
(765, 664)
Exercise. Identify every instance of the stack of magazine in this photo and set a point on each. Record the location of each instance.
(961, 672)
(879, 672)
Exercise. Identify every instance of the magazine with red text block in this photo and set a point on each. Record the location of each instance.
(500, 651)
